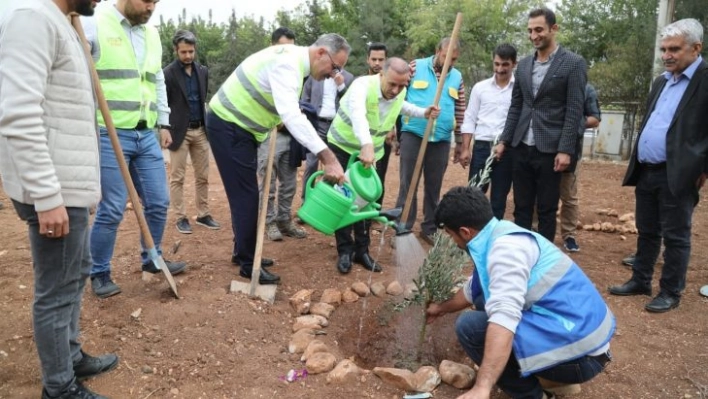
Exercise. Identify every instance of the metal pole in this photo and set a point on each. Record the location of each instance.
(663, 18)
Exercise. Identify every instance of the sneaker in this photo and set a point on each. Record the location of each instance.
(103, 286)
(629, 260)
(74, 391)
(173, 267)
(91, 366)
(183, 226)
(208, 222)
(291, 230)
(571, 245)
(273, 232)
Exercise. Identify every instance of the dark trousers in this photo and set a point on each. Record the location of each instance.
(660, 214)
(536, 185)
(435, 162)
(359, 245)
(236, 154)
(471, 329)
(381, 168)
(61, 266)
(501, 175)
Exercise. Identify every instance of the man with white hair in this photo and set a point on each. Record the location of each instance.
(669, 165)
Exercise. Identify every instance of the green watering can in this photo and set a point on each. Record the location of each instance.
(328, 208)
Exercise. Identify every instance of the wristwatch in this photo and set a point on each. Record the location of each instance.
(168, 127)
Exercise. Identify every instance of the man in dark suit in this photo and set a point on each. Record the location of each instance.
(186, 81)
(669, 165)
(542, 125)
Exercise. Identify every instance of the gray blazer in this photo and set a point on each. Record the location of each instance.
(312, 92)
(557, 108)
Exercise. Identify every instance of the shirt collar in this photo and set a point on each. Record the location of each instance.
(510, 84)
(551, 57)
(688, 72)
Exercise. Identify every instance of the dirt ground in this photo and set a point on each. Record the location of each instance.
(212, 344)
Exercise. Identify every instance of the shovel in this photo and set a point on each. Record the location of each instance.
(153, 255)
(254, 289)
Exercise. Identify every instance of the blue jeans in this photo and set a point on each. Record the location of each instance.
(143, 155)
(660, 214)
(61, 266)
(471, 329)
(501, 175)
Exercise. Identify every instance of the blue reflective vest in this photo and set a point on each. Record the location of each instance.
(564, 316)
(421, 92)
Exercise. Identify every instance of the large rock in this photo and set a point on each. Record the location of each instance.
(426, 379)
(410, 291)
(300, 302)
(361, 288)
(346, 372)
(313, 319)
(322, 309)
(398, 378)
(320, 362)
(297, 326)
(394, 288)
(331, 296)
(300, 340)
(349, 296)
(378, 289)
(458, 375)
(315, 346)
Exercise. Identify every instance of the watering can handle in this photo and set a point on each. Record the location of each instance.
(353, 158)
(311, 182)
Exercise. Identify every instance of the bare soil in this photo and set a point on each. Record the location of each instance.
(212, 344)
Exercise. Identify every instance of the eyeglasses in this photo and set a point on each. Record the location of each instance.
(335, 68)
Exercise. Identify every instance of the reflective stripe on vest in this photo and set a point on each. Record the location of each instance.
(341, 131)
(552, 329)
(130, 89)
(242, 101)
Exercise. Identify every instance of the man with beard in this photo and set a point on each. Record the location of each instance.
(541, 129)
(121, 41)
(187, 82)
(50, 168)
(425, 76)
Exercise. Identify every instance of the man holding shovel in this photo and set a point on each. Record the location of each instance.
(50, 168)
(263, 92)
(120, 39)
(366, 115)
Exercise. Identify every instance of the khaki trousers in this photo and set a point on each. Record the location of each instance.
(569, 202)
(197, 146)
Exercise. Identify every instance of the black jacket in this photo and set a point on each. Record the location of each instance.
(177, 98)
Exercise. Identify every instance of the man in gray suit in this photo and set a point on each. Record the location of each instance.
(324, 96)
(542, 125)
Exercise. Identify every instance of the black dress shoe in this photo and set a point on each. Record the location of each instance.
(631, 287)
(265, 277)
(662, 303)
(90, 366)
(368, 263)
(344, 263)
(265, 262)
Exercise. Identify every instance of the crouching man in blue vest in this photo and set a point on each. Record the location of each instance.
(536, 314)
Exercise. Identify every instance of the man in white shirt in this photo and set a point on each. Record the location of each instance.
(263, 92)
(527, 321)
(362, 124)
(484, 121)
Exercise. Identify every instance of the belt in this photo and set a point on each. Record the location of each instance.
(142, 125)
(603, 359)
(195, 124)
(328, 120)
(654, 166)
